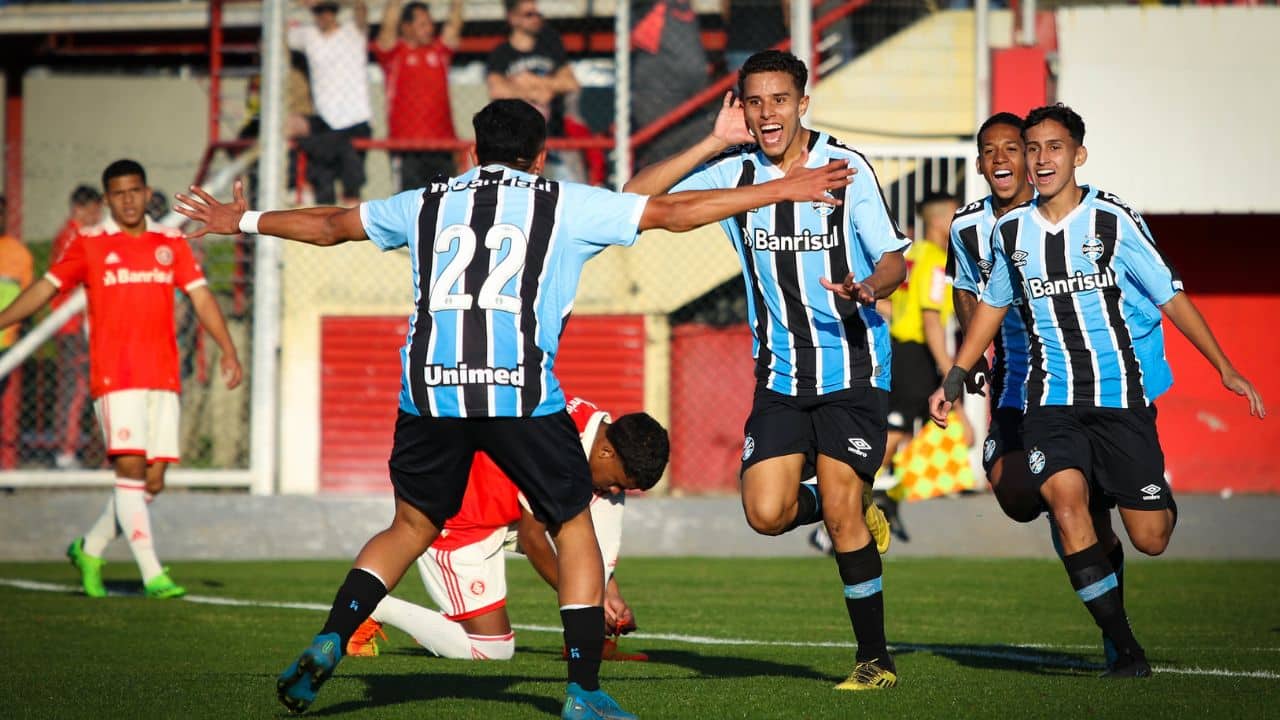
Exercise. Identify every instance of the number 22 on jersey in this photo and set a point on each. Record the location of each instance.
(462, 239)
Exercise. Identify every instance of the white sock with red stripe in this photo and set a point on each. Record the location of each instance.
(429, 628)
(493, 647)
(104, 530)
(135, 522)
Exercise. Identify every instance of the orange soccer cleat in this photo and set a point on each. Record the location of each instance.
(362, 643)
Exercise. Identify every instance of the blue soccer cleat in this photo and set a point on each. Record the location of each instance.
(298, 684)
(594, 705)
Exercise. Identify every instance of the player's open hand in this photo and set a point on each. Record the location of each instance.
(1236, 383)
(939, 407)
(232, 373)
(731, 123)
(218, 217)
(850, 289)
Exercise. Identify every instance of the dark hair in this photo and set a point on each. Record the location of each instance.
(85, 194)
(406, 12)
(509, 5)
(121, 168)
(642, 446)
(774, 61)
(157, 205)
(323, 7)
(934, 197)
(1069, 118)
(1000, 118)
(511, 132)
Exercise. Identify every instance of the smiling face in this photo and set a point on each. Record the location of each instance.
(773, 106)
(1002, 161)
(1052, 157)
(127, 197)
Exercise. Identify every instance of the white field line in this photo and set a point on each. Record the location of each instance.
(1027, 653)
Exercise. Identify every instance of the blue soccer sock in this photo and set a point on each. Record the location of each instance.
(861, 572)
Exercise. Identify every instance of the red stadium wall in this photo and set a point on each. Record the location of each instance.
(712, 377)
(601, 358)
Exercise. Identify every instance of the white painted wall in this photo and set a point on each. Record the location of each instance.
(1180, 104)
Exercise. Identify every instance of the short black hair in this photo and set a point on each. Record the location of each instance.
(774, 61)
(1000, 118)
(406, 12)
(511, 132)
(509, 5)
(1069, 118)
(121, 168)
(935, 197)
(642, 446)
(324, 6)
(85, 194)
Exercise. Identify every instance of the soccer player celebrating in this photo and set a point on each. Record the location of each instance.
(1093, 285)
(464, 572)
(822, 351)
(496, 253)
(130, 267)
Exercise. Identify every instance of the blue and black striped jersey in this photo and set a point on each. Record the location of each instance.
(807, 341)
(969, 265)
(496, 256)
(1092, 287)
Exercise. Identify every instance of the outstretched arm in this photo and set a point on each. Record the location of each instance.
(451, 33)
(982, 330)
(1187, 318)
(890, 271)
(388, 31)
(684, 211)
(28, 302)
(315, 226)
(730, 129)
(211, 319)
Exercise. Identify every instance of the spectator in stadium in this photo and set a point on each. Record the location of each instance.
(464, 572)
(532, 65)
(668, 66)
(500, 396)
(1092, 287)
(15, 276)
(130, 267)
(72, 339)
(337, 56)
(752, 26)
(921, 308)
(415, 60)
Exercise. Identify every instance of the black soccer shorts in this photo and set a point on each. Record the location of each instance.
(1117, 449)
(431, 459)
(1004, 436)
(847, 425)
(915, 377)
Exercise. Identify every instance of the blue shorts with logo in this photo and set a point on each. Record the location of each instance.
(1117, 449)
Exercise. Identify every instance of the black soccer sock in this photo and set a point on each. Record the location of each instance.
(1098, 587)
(584, 641)
(359, 595)
(861, 572)
(1116, 558)
(808, 507)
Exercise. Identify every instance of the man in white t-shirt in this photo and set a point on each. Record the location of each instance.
(464, 570)
(337, 57)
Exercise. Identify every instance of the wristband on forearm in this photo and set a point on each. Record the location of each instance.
(249, 222)
(953, 383)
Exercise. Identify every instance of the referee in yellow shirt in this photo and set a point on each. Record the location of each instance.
(920, 310)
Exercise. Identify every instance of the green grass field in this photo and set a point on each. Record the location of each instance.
(735, 638)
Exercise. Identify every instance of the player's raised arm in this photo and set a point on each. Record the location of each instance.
(315, 226)
(730, 129)
(1187, 318)
(890, 271)
(684, 211)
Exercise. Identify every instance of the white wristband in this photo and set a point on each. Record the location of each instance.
(249, 222)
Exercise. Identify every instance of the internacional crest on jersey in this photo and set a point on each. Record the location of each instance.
(496, 255)
(808, 341)
(969, 263)
(1093, 285)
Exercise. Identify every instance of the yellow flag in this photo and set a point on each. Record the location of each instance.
(935, 462)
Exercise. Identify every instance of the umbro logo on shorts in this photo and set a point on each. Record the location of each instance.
(859, 447)
(1152, 492)
(748, 447)
(1035, 461)
(989, 449)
